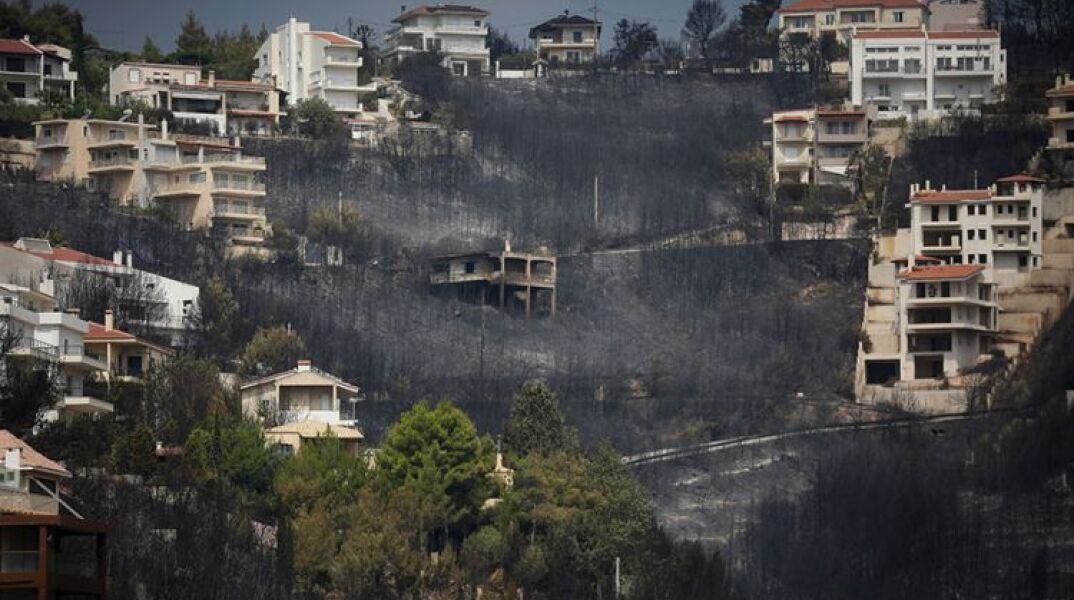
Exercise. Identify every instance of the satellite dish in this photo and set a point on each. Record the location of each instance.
(126, 115)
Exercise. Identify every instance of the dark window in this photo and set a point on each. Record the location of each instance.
(16, 64)
(17, 89)
(982, 258)
(471, 267)
(577, 37)
(935, 213)
(1023, 261)
(952, 213)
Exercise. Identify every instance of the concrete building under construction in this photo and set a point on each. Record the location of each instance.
(519, 283)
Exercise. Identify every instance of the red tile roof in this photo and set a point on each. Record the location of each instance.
(792, 119)
(963, 35)
(1021, 178)
(231, 83)
(949, 196)
(1062, 90)
(935, 272)
(97, 332)
(825, 112)
(819, 5)
(30, 457)
(9, 46)
(66, 255)
(336, 39)
(890, 34)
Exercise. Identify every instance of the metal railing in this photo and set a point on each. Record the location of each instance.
(112, 161)
(238, 209)
(244, 185)
(36, 346)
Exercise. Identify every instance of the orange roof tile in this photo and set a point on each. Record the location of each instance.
(30, 457)
(1063, 90)
(792, 119)
(1021, 178)
(336, 39)
(936, 272)
(949, 196)
(67, 255)
(964, 35)
(97, 332)
(8, 46)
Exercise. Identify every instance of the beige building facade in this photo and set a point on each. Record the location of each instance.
(842, 17)
(205, 182)
(28, 71)
(816, 145)
(302, 393)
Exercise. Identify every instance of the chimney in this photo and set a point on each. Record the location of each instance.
(943, 188)
(507, 245)
(117, 257)
(164, 129)
(928, 184)
(402, 9)
(212, 78)
(109, 320)
(303, 365)
(130, 259)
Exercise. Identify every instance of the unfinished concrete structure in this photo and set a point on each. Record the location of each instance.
(517, 282)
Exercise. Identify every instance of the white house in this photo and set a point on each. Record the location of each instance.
(306, 63)
(457, 32)
(815, 145)
(302, 393)
(27, 70)
(567, 40)
(922, 74)
(998, 227)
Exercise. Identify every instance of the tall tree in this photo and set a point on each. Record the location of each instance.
(150, 52)
(499, 44)
(703, 19)
(536, 423)
(193, 46)
(633, 40)
(271, 350)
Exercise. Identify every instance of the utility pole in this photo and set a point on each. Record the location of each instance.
(596, 199)
(616, 577)
(596, 33)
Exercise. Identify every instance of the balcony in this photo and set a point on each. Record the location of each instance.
(238, 187)
(856, 137)
(34, 349)
(949, 300)
(942, 246)
(349, 63)
(78, 403)
(1015, 245)
(182, 189)
(793, 137)
(52, 141)
(112, 164)
(1060, 113)
(964, 325)
(232, 210)
(232, 160)
(76, 357)
(944, 70)
(18, 502)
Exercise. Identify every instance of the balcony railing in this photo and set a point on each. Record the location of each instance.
(223, 208)
(955, 68)
(112, 161)
(35, 347)
(241, 185)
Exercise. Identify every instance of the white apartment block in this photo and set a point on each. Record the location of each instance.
(1061, 113)
(998, 228)
(567, 40)
(312, 64)
(921, 74)
(815, 145)
(457, 32)
(46, 338)
(232, 107)
(37, 264)
(842, 17)
(27, 70)
(205, 182)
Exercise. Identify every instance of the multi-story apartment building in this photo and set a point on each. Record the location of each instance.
(948, 316)
(313, 64)
(302, 393)
(567, 40)
(517, 282)
(47, 339)
(1061, 116)
(998, 228)
(205, 182)
(455, 31)
(27, 70)
(925, 74)
(815, 145)
(842, 17)
(232, 107)
(166, 304)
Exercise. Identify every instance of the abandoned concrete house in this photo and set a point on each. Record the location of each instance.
(518, 282)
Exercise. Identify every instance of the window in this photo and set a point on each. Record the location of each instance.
(1034, 236)
(18, 89)
(470, 267)
(981, 234)
(1034, 212)
(971, 210)
(829, 19)
(477, 23)
(982, 258)
(970, 234)
(48, 70)
(1023, 261)
(897, 16)
(935, 213)
(952, 213)
(134, 76)
(884, 90)
(16, 64)
(196, 178)
(577, 37)
(912, 65)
